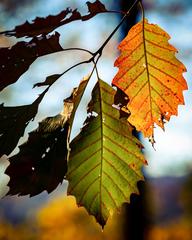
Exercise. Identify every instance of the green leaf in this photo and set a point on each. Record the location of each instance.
(105, 161)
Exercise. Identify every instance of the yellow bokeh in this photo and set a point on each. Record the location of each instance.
(62, 219)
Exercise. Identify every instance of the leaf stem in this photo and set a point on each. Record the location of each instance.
(115, 11)
(70, 68)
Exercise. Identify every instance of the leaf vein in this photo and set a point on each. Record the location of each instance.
(123, 161)
(82, 162)
(109, 194)
(160, 70)
(122, 75)
(162, 59)
(84, 148)
(82, 177)
(168, 88)
(121, 175)
(122, 147)
(159, 46)
(86, 190)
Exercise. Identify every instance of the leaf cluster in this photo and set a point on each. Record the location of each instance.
(103, 163)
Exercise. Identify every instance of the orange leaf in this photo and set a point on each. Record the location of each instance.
(151, 76)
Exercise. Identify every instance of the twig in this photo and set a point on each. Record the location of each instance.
(99, 51)
(77, 49)
(96, 55)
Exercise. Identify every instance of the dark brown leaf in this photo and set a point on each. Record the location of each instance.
(41, 163)
(48, 24)
(96, 7)
(13, 121)
(39, 25)
(121, 100)
(16, 60)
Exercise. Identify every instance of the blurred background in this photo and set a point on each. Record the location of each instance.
(163, 210)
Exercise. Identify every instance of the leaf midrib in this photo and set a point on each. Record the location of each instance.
(101, 122)
(148, 76)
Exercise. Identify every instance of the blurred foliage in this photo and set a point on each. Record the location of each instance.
(61, 219)
(175, 231)
(21, 232)
(186, 196)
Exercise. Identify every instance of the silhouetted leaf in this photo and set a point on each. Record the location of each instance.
(39, 25)
(13, 121)
(48, 24)
(48, 81)
(16, 60)
(94, 8)
(41, 163)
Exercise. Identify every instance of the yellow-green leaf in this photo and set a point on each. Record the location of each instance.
(106, 159)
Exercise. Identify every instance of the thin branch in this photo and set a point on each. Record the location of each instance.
(97, 72)
(115, 11)
(76, 16)
(99, 51)
(74, 66)
(77, 49)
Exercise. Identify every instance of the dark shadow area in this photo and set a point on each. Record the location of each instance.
(135, 215)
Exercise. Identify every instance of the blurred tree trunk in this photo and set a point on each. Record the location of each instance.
(131, 20)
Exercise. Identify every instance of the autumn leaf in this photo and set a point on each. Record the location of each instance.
(105, 161)
(41, 163)
(22, 55)
(151, 76)
(45, 25)
(13, 121)
(39, 25)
